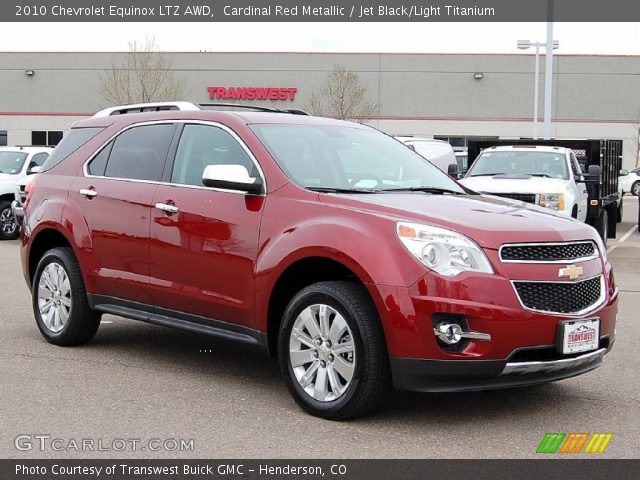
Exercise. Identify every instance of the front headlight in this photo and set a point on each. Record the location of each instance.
(443, 251)
(554, 201)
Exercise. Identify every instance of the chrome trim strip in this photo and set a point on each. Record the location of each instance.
(86, 173)
(544, 244)
(524, 368)
(590, 308)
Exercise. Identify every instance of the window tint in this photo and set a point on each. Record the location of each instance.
(140, 152)
(69, 144)
(38, 159)
(202, 145)
(99, 162)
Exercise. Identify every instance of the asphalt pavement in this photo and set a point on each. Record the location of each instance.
(153, 387)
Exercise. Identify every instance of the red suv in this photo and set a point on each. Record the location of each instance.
(328, 243)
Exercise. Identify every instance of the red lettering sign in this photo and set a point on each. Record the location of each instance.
(252, 93)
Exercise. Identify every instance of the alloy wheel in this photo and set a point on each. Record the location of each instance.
(7, 222)
(54, 297)
(322, 352)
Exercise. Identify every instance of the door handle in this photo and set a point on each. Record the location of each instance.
(88, 192)
(165, 207)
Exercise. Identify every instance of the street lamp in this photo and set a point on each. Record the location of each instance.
(525, 45)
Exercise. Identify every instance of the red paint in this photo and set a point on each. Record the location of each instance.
(223, 253)
(252, 93)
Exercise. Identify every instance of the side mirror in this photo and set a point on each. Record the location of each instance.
(593, 175)
(231, 177)
(34, 169)
(453, 171)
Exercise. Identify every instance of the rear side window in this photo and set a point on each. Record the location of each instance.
(98, 165)
(140, 152)
(69, 144)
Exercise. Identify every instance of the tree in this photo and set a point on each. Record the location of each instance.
(342, 96)
(144, 75)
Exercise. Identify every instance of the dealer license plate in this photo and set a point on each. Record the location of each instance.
(580, 335)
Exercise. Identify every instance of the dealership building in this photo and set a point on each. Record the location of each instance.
(456, 97)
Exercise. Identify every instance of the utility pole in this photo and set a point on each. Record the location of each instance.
(548, 74)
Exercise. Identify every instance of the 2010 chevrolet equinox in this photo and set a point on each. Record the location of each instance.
(330, 244)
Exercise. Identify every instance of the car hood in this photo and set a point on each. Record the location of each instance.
(514, 185)
(489, 221)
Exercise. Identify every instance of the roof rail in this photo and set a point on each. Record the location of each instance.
(147, 107)
(258, 108)
(188, 106)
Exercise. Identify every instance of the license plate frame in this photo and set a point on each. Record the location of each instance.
(588, 326)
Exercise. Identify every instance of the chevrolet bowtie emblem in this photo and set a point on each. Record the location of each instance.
(570, 271)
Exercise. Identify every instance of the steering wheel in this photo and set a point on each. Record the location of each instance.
(354, 181)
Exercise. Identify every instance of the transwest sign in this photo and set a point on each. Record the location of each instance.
(252, 93)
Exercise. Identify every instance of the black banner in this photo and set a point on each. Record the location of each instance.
(122, 469)
(319, 11)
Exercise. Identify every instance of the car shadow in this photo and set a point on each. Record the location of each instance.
(205, 356)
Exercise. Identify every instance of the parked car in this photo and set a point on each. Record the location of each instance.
(263, 227)
(630, 182)
(438, 152)
(16, 163)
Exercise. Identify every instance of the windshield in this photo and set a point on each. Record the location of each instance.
(341, 158)
(11, 162)
(518, 162)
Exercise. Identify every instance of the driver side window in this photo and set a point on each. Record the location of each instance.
(203, 145)
(575, 167)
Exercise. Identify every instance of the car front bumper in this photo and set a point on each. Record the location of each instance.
(422, 375)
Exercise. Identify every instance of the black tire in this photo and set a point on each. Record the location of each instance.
(635, 188)
(601, 224)
(9, 229)
(371, 379)
(83, 322)
(620, 211)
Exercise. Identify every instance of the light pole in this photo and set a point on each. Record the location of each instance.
(524, 45)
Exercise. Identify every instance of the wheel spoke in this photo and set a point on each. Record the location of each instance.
(341, 348)
(66, 301)
(310, 323)
(302, 338)
(307, 378)
(320, 390)
(338, 328)
(333, 381)
(323, 318)
(344, 368)
(301, 357)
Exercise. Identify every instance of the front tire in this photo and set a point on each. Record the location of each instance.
(9, 229)
(332, 351)
(601, 224)
(635, 188)
(60, 300)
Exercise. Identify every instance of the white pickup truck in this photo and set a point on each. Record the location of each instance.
(546, 176)
(16, 163)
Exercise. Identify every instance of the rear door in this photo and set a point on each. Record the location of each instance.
(115, 197)
(204, 241)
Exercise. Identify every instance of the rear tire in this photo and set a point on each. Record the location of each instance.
(60, 300)
(601, 224)
(635, 188)
(332, 351)
(620, 210)
(9, 229)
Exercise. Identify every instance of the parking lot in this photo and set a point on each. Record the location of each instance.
(137, 381)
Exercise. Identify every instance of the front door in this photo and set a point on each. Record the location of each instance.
(204, 241)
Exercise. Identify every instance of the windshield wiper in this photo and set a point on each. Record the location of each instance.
(485, 174)
(425, 189)
(538, 175)
(342, 190)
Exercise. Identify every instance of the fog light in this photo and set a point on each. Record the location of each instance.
(449, 333)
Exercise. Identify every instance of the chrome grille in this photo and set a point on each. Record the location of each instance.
(548, 252)
(561, 297)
